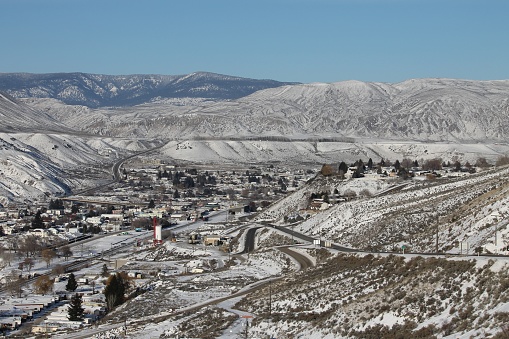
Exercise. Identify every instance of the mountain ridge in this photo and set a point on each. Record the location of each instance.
(100, 90)
(428, 110)
(425, 110)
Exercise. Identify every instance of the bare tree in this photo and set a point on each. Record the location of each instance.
(48, 255)
(326, 170)
(66, 251)
(349, 193)
(13, 243)
(407, 163)
(43, 284)
(7, 257)
(502, 160)
(14, 282)
(30, 245)
(58, 269)
(28, 264)
(481, 162)
(365, 193)
(432, 165)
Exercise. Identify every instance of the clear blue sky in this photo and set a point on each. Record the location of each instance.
(286, 40)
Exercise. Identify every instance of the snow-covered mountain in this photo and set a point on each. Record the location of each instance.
(426, 110)
(16, 116)
(96, 90)
(41, 156)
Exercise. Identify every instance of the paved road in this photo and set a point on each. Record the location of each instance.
(115, 170)
(304, 262)
(249, 244)
(304, 237)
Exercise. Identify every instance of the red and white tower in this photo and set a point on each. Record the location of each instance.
(157, 232)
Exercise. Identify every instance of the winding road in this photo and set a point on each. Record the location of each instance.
(249, 245)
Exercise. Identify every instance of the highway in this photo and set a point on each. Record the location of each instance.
(115, 172)
(249, 245)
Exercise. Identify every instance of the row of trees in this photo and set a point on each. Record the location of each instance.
(406, 164)
(31, 246)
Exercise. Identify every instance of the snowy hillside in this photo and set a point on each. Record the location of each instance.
(302, 125)
(378, 296)
(33, 165)
(467, 211)
(16, 116)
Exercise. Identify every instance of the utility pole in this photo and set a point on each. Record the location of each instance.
(436, 242)
(293, 241)
(246, 330)
(496, 247)
(270, 298)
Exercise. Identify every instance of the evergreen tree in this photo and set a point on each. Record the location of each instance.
(75, 310)
(151, 204)
(457, 166)
(370, 163)
(343, 167)
(397, 165)
(104, 272)
(72, 285)
(115, 289)
(37, 221)
(360, 166)
(188, 182)
(57, 204)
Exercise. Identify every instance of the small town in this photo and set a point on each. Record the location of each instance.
(60, 255)
(49, 249)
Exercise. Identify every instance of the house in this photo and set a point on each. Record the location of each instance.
(212, 206)
(179, 217)
(216, 240)
(10, 322)
(45, 327)
(39, 232)
(318, 204)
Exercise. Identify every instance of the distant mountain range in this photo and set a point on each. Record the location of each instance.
(97, 90)
(425, 110)
(213, 106)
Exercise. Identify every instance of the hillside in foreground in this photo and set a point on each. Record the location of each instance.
(377, 292)
(467, 210)
(380, 296)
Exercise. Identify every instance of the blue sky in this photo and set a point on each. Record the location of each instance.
(287, 40)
